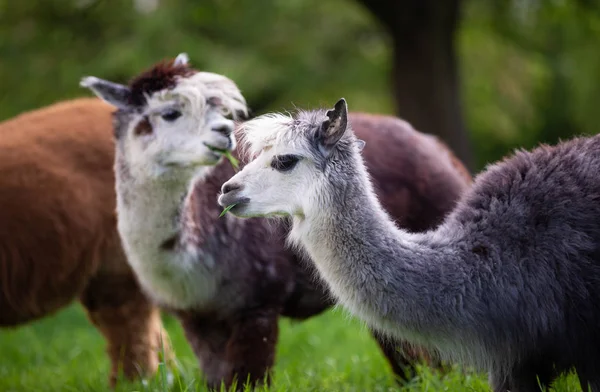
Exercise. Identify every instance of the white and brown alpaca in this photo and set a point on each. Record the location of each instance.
(229, 280)
(509, 282)
(58, 237)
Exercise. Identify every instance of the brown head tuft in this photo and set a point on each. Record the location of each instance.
(161, 76)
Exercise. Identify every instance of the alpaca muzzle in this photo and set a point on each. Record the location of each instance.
(231, 194)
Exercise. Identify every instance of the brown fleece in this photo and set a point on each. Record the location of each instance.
(58, 238)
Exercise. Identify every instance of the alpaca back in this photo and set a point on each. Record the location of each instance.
(57, 208)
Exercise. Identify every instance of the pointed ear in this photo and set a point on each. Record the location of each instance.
(181, 59)
(334, 127)
(361, 144)
(113, 93)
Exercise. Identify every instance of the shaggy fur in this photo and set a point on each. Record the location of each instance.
(58, 238)
(509, 282)
(229, 280)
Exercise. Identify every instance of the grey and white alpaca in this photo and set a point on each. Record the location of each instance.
(228, 279)
(509, 282)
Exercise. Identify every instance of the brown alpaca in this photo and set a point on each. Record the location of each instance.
(58, 238)
(229, 280)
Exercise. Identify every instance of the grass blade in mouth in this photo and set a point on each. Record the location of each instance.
(226, 209)
(234, 162)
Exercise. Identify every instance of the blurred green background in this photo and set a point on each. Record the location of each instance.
(485, 75)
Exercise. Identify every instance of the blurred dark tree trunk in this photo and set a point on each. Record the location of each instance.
(424, 73)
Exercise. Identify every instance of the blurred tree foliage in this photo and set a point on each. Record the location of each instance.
(424, 75)
(530, 72)
(528, 68)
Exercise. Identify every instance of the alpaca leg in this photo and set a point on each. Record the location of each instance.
(251, 348)
(535, 377)
(589, 379)
(498, 382)
(130, 323)
(242, 349)
(591, 384)
(525, 378)
(208, 338)
(403, 357)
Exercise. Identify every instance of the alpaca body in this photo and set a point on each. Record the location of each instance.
(510, 277)
(227, 279)
(507, 283)
(58, 237)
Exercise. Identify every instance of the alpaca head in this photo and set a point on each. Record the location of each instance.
(171, 119)
(295, 158)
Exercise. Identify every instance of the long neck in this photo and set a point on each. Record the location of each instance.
(164, 224)
(170, 212)
(388, 277)
(149, 209)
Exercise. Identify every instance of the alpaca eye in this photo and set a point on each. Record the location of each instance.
(284, 163)
(171, 115)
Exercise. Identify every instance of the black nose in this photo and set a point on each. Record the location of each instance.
(230, 187)
(223, 129)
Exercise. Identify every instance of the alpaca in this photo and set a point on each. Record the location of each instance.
(228, 279)
(509, 282)
(58, 237)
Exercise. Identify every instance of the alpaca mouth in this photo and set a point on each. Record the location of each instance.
(237, 208)
(230, 201)
(217, 150)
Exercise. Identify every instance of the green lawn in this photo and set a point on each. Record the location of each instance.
(326, 353)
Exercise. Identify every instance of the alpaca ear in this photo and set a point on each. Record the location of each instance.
(112, 93)
(361, 144)
(333, 128)
(181, 59)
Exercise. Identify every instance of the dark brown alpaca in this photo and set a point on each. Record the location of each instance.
(229, 280)
(58, 238)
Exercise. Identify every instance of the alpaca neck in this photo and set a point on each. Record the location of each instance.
(388, 277)
(149, 210)
(150, 222)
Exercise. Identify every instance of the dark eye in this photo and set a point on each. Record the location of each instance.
(284, 163)
(171, 115)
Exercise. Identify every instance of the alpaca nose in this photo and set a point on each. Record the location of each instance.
(223, 129)
(230, 187)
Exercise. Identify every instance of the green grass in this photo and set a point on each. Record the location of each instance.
(326, 353)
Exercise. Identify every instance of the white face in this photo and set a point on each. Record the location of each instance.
(178, 130)
(280, 181)
(288, 175)
(171, 136)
